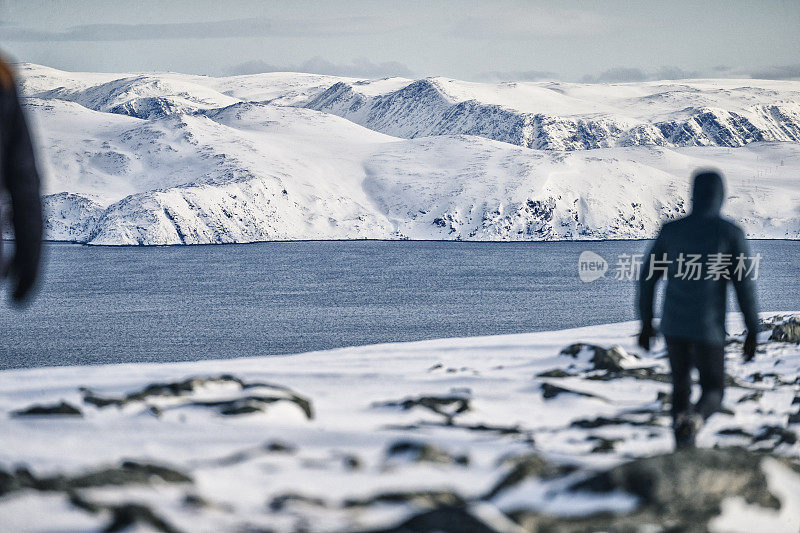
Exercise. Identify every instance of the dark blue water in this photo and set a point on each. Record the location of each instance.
(109, 305)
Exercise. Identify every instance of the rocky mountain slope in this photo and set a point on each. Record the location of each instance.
(165, 158)
(554, 431)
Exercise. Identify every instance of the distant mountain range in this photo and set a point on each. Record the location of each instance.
(165, 158)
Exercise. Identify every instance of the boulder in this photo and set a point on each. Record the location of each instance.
(612, 359)
(786, 331)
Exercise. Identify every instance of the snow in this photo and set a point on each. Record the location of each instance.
(238, 477)
(168, 158)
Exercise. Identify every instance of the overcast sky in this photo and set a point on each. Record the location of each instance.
(497, 40)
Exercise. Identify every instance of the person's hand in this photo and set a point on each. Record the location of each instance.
(749, 347)
(647, 333)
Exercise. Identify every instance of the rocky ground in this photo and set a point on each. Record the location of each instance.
(553, 431)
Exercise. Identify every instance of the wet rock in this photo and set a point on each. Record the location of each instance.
(422, 452)
(422, 498)
(550, 391)
(58, 409)
(128, 472)
(446, 406)
(614, 358)
(687, 487)
(786, 331)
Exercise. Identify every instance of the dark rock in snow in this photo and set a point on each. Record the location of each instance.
(447, 406)
(602, 358)
(603, 445)
(280, 502)
(554, 373)
(550, 391)
(786, 331)
(602, 421)
(523, 467)
(422, 498)
(128, 472)
(445, 520)
(778, 434)
(422, 452)
(685, 488)
(247, 403)
(59, 409)
(752, 397)
(124, 516)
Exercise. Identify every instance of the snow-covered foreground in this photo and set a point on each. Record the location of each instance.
(166, 158)
(499, 433)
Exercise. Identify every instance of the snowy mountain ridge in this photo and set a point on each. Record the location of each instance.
(166, 158)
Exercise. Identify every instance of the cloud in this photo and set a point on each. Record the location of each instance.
(515, 75)
(234, 28)
(358, 68)
(618, 74)
(626, 74)
(526, 22)
(785, 72)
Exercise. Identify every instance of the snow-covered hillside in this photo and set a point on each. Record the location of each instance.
(528, 432)
(165, 158)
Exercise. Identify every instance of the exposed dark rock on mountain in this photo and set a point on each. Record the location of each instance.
(59, 409)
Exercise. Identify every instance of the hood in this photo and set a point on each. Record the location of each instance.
(708, 194)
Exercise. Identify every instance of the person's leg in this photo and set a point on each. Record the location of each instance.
(710, 362)
(680, 363)
(685, 423)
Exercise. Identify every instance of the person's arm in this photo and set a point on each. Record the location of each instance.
(21, 179)
(745, 294)
(647, 289)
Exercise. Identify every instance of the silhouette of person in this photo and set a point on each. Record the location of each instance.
(698, 255)
(19, 178)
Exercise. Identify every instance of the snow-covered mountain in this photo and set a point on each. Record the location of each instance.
(561, 116)
(165, 158)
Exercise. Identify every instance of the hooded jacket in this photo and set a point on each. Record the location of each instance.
(695, 309)
(20, 180)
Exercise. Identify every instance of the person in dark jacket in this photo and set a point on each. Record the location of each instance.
(19, 178)
(699, 255)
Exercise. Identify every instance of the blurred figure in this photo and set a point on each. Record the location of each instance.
(18, 176)
(698, 254)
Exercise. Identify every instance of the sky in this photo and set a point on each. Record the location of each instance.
(466, 39)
